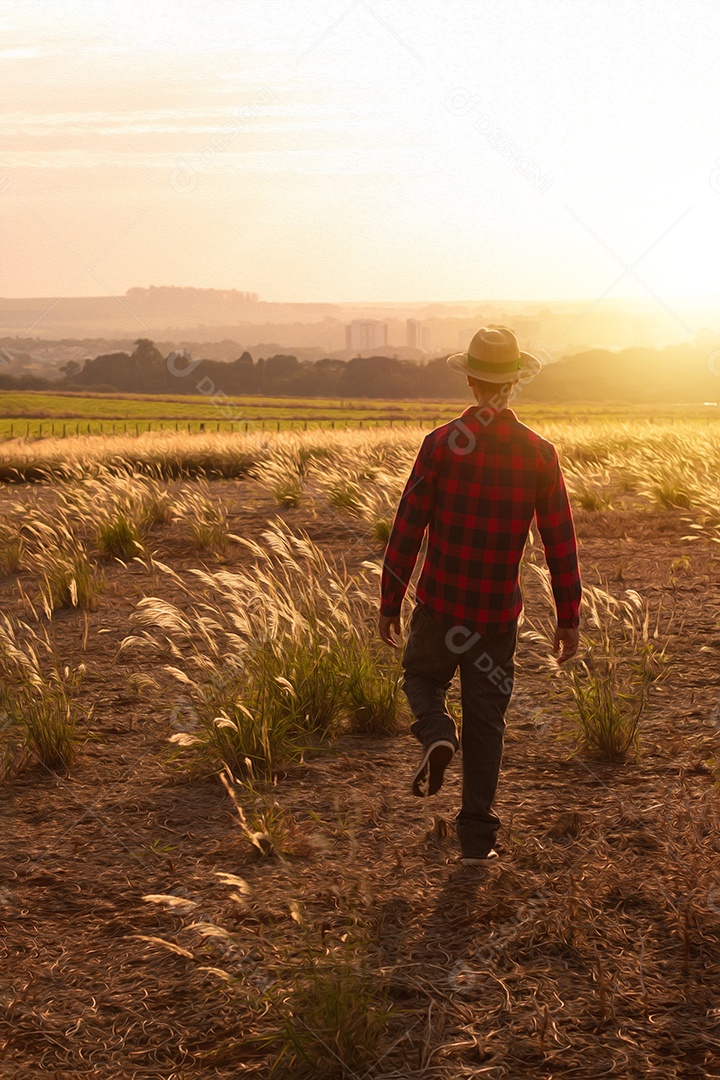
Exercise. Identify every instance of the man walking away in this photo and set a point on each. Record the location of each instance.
(476, 485)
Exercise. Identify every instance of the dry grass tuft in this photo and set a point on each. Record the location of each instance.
(38, 714)
(622, 655)
(277, 658)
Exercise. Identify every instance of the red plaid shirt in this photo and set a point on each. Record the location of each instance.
(475, 486)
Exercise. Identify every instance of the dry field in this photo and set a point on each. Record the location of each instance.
(211, 861)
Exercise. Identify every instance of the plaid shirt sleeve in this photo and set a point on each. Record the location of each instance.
(411, 519)
(555, 522)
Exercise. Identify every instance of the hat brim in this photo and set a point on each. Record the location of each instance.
(530, 366)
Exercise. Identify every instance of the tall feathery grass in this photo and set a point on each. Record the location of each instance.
(622, 654)
(13, 547)
(68, 579)
(162, 455)
(643, 465)
(117, 511)
(63, 539)
(276, 660)
(205, 516)
(38, 711)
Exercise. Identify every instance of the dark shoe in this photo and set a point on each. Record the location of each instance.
(474, 860)
(429, 777)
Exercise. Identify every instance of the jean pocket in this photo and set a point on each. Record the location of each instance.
(424, 641)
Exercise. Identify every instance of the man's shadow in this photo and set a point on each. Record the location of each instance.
(451, 935)
(460, 920)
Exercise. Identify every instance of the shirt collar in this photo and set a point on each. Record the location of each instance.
(485, 410)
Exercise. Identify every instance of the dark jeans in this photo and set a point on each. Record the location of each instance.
(432, 656)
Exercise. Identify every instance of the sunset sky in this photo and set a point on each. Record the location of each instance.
(340, 150)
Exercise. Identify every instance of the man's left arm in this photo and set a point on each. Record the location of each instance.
(557, 529)
(411, 519)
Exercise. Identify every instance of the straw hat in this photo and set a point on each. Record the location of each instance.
(494, 356)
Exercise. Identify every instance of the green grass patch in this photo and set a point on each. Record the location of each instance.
(36, 414)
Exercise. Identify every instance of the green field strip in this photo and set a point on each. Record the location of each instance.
(38, 415)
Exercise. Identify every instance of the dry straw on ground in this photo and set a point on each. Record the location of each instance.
(321, 926)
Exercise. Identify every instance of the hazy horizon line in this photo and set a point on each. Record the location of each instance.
(638, 301)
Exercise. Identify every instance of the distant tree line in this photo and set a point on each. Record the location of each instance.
(147, 371)
(682, 373)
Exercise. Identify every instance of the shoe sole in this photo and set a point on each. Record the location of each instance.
(429, 777)
(490, 857)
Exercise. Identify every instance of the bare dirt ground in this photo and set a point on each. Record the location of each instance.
(592, 947)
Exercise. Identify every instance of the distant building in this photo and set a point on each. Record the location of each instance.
(363, 334)
(418, 336)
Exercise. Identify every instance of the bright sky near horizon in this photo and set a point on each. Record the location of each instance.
(361, 149)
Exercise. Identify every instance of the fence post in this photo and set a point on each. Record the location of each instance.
(278, 425)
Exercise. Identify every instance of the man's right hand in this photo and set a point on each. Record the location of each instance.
(390, 630)
(569, 639)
